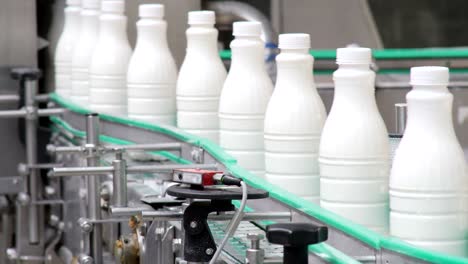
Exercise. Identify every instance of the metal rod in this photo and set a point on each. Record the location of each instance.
(400, 118)
(176, 216)
(64, 149)
(119, 181)
(158, 146)
(168, 168)
(51, 111)
(13, 113)
(94, 200)
(42, 98)
(127, 211)
(31, 159)
(9, 98)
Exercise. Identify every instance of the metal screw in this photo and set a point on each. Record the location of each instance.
(209, 251)
(23, 198)
(193, 224)
(12, 254)
(85, 224)
(49, 191)
(54, 220)
(176, 245)
(22, 169)
(83, 259)
(255, 240)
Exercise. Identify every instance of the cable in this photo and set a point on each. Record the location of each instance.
(233, 224)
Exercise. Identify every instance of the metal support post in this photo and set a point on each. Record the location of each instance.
(31, 158)
(94, 199)
(119, 181)
(400, 118)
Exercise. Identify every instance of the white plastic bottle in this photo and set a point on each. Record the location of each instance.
(244, 99)
(428, 183)
(201, 78)
(152, 72)
(109, 63)
(354, 154)
(83, 51)
(65, 47)
(294, 121)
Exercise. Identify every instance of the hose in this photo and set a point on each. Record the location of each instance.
(233, 224)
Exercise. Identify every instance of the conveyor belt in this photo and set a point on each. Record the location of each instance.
(346, 240)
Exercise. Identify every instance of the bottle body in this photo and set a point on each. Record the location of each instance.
(152, 75)
(82, 55)
(64, 50)
(428, 183)
(354, 152)
(243, 103)
(199, 85)
(293, 124)
(109, 64)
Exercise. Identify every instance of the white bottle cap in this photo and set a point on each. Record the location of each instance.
(201, 18)
(247, 28)
(91, 4)
(429, 75)
(353, 55)
(73, 2)
(113, 6)
(294, 41)
(151, 11)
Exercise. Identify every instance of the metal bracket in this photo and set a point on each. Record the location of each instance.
(199, 242)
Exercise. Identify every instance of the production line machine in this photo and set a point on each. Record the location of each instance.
(123, 191)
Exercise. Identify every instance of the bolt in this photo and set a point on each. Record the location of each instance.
(12, 254)
(23, 198)
(22, 169)
(85, 224)
(176, 245)
(255, 240)
(54, 220)
(209, 251)
(49, 191)
(83, 259)
(193, 224)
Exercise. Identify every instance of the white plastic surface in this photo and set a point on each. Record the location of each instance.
(113, 7)
(151, 11)
(246, 28)
(243, 103)
(428, 183)
(152, 74)
(109, 64)
(354, 149)
(200, 81)
(83, 52)
(64, 50)
(294, 121)
(203, 17)
(353, 55)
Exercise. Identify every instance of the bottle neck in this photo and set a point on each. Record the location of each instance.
(355, 87)
(202, 40)
(430, 109)
(89, 22)
(72, 19)
(295, 68)
(152, 32)
(113, 26)
(247, 52)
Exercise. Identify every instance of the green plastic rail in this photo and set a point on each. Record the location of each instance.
(372, 239)
(389, 54)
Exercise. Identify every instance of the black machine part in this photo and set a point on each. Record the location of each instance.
(199, 245)
(296, 237)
